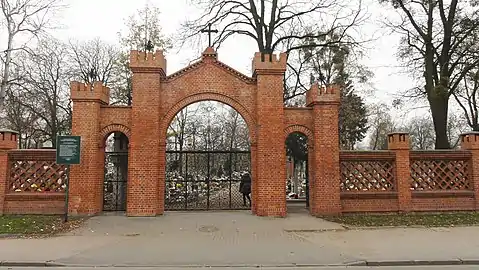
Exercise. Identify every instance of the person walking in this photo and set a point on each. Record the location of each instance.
(245, 188)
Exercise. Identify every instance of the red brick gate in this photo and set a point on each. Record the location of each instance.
(339, 181)
(157, 98)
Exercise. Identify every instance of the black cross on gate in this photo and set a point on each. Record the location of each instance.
(209, 31)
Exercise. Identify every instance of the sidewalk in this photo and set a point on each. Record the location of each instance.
(239, 238)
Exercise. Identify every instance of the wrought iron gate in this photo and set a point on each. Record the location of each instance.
(115, 182)
(205, 180)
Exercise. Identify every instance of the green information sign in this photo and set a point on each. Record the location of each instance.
(68, 150)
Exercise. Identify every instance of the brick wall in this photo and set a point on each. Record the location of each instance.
(408, 181)
(338, 181)
(34, 183)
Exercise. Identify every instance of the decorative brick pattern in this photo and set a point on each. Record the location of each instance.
(367, 173)
(35, 175)
(438, 171)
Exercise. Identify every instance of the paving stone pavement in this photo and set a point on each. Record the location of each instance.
(237, 238)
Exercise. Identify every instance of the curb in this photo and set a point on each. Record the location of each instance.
(31, 264)
(297, 265)
(416, 263)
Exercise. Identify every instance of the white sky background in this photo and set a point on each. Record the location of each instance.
(88, 19)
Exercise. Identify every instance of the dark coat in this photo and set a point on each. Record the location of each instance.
(245, 185)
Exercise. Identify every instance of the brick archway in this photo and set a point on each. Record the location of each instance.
(158, 97)
(298, 128)
(175, 109)
(110, 129)
(309, 135)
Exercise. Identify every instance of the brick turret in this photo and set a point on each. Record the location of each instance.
(398, 141)
(330, 94)
(268, 189)
(8, 139)
(325, 180)
(470, 141)
(270, 64)
(87, 92)
(145, 146)
(147, 62)
(85, 189)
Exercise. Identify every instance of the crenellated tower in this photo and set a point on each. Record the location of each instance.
(268, 189)
(146, 164)
(324, 183)
(86, 178)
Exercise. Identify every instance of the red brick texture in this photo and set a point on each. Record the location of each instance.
(399, 143)
(146, 153)
(8, 141)
(324, 181)
(339, 181)
(470, 142)
(32, 202)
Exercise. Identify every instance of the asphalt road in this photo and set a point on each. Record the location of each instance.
(459, 267)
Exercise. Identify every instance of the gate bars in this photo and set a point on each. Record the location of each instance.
(205, 180)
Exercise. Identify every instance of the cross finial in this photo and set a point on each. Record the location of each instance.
(209, 31)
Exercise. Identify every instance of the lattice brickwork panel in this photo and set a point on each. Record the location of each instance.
(371, 175)
(36, 176)
(440, 175)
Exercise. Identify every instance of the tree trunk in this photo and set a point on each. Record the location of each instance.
(6, 72)
(439, 108)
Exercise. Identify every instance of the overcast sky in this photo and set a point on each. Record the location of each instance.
(86, 19)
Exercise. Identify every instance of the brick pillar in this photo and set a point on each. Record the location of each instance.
(325, 178)
(470, 142)
(8, 141)
(147, 145)
(86, 179)
(399, 143)
(270, 198)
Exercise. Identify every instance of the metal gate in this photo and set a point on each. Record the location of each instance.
(115, 182)
(205, 180)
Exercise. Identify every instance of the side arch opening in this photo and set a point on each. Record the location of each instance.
(115, 180)
(297, 171)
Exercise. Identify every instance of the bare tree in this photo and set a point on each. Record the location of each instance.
(22, 19)
(95, 60)
(467, 93)
(144, 33)
(381, 123)
(421, 131)
(22, 120)
(144, 26)
(43, 88)
(456, 125)
(272, 23)
(433, 36)
(277, 26)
